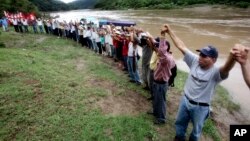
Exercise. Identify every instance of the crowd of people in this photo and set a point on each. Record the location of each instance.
(122, 43)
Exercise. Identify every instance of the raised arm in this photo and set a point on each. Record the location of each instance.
(224, 70)
(176, 40)
(151, 41)
(246, 72)
(240, 53)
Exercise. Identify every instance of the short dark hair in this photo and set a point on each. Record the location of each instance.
(157, 39)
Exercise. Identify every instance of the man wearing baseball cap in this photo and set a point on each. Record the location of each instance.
(199, 87)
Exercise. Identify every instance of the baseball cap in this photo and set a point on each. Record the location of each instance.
(209, 51)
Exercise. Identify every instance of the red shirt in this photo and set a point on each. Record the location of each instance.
(116, 41)
(125, 47)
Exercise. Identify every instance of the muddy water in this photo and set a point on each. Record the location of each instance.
(197, 27)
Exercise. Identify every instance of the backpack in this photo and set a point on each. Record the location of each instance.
(172, 77)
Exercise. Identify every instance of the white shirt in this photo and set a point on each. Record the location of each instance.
(95, 36)
(48, 24)
(39, 22)
(80, 30)
(131, 49)
(88, 33)
(72, 29)
(14, 21)
(25, 22)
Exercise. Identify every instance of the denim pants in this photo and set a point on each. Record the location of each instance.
(41, 28)
(125, 60)
(134, 75)
(186, 112)
(34, 28)
(26, 28)
(112, 51)
(5, 27)
(159, 101)
(95, 47)
(89, 41)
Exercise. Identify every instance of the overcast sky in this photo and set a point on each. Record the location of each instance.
(67, 1)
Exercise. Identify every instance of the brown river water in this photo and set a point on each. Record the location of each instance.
(197, 27)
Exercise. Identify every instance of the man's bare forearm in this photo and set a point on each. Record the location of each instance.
(225, 69)
(176, 40)
(246, 72)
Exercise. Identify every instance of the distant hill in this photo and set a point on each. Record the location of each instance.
(57, 5)
(50, 5)
(83, 4)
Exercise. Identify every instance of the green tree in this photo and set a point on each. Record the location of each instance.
(14, 6)
(164, 4)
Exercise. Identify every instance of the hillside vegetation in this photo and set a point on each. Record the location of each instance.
(164, 4)
(36, 6)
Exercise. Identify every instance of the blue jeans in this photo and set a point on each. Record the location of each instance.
(89, 41)
(34, 28)
(125, 58)
(186, 112)
(134, 75)
(95, 47)
(41, 28)
(159, 101)
(112, 51)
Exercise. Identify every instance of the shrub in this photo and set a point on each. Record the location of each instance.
(242, 4)
(2, 45)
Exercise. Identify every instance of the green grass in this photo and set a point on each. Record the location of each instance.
(44, 96)
(49, 88)
(210, 130)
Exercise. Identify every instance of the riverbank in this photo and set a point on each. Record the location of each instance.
(51, 86)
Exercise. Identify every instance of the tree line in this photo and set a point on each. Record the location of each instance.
(17, 6)
(36, 6)
(164, 4)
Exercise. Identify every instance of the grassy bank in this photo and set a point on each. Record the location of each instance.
(53, 89)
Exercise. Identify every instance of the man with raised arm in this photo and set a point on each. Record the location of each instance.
(199, 87)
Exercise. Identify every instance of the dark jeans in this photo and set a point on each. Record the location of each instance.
(159, 101)
(100, 47)
(125, 61)
(16, 28)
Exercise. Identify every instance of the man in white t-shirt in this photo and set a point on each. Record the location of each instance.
(40, 24)
(199, 87)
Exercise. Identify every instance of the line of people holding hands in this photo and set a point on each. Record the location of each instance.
(122, 44)
(200, 85)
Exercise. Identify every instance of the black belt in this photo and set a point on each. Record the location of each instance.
(196, 103)
(160, 82)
